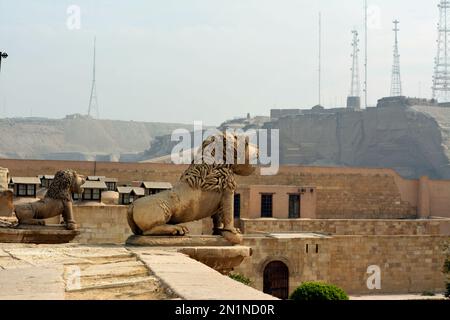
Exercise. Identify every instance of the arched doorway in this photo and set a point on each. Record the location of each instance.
(276, 279)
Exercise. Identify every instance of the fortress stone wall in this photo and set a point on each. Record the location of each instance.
(348, 227)
(410, 264)
(342, 193)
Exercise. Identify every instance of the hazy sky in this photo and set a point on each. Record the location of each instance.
(208, 60)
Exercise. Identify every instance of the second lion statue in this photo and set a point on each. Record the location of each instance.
(58, 201)
(204, 190)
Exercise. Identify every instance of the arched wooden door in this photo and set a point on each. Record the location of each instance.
(276, 280)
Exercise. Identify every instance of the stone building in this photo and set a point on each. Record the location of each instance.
(46, 180)
(92, 191)
(25, 186)
(111, 183)
(153, 187)
(266, 201)
(128, 194)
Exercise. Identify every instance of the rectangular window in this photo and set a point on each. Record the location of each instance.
(111, 186)
(31, 190)
(125, 198)
(294, 206)
(22, 189)
(237, 206)
(266, 206)
(87, 195)
(95, 194)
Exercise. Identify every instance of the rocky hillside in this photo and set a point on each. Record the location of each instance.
(77, 138)
(403, 134)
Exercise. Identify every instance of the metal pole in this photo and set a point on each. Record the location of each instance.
(365, 52)
(320, 58)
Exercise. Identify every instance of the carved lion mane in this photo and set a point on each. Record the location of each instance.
(61, 187)
(210, 176)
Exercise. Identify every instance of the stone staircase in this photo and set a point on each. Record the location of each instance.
(120, 276)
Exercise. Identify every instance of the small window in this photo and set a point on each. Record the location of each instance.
(266, 206)
(95, 194)
(125, 198)
(22, 188)
(237, 206)
(87, 195)
(294, 206)
(31, 190)
(111, 186)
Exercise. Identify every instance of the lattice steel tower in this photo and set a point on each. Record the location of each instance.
(93, 101)
(354, 99)
(441, 78)
(396, 82)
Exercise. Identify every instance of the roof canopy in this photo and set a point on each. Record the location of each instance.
(136, 190)
(94, 185)
(156, 185)
(25, 180)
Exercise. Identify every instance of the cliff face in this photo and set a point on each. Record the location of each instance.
(76, 138)
(413, 140)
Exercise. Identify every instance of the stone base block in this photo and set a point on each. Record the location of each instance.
(37, 234)
(173, 241)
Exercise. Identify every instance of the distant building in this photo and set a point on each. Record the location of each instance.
(46, 180)
(25, 186)
(155, 187)
(92, 191)
(95, 178)
(128, 195)
(111, 183)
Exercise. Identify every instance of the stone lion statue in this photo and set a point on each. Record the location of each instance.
(58, 201)
(205, 190)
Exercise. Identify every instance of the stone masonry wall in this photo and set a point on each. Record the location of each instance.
(352, 193)
(102, 224)
(109, 225)
(408, 263)
(348, 227)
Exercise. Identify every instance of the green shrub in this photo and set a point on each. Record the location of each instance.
(428, 294)
(240, 278)
(311, 291)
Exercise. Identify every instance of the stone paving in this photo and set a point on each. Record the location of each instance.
(192, 280)
(59, 272)
(74, 271)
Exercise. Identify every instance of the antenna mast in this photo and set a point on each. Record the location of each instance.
(320, 58)
(396, 82)
(93, 102)
(365, 52)
(354, 99)
(441, 78)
